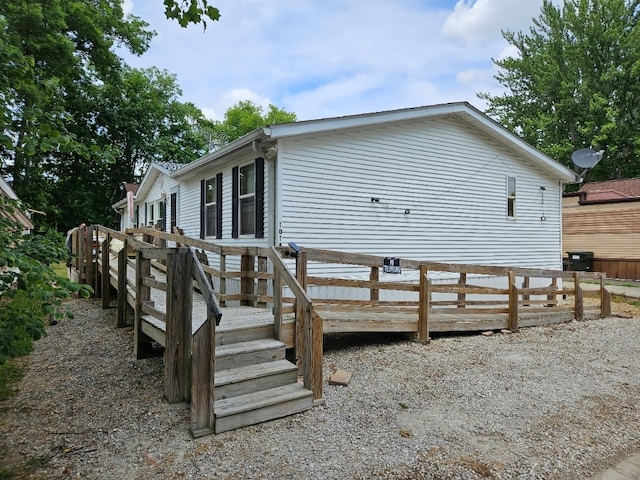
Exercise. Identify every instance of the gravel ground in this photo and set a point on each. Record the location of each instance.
(559, 402)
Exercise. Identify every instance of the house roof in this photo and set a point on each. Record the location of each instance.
(461, 111)
(610, 191)
(15, 215)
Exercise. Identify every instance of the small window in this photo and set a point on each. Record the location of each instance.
(161, 212)
(211, 197)
(511, 197)
(247, 200)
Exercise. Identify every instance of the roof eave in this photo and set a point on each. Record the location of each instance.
(195, 166)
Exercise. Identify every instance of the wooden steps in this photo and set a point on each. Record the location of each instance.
(254, 383)
(252, 408)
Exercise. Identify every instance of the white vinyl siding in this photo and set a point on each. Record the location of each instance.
(190, 201)
(449, 179)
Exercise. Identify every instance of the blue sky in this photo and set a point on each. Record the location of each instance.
(325, 58)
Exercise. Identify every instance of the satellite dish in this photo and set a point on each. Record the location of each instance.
(586, 157)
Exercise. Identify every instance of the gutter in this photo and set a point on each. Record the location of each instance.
(242, 142)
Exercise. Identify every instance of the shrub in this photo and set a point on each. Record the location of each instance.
(30, 290)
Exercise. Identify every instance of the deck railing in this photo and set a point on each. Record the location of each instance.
(312, 301)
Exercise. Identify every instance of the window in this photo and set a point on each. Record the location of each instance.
(211, 207)
(162, 209)
(247, 200)
(511, 197)
(211, 198)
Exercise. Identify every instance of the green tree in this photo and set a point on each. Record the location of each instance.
(57, 47)
(574, 83)
(245, 116)
(76, 122)
(128, 122)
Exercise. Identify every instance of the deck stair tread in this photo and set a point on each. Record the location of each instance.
(265, 398)
(252, 372)
(250, 346)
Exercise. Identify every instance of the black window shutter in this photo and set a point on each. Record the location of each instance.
(235, 191)
(259, 167)
(137, 219)
(174, 211)
(146, 209)
(219, 205)
(165, 224)
(203, 208)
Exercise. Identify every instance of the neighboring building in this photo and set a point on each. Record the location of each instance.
(16, 215)
(603, 218)
(441, 183)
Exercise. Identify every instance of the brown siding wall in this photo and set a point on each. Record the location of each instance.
(610, 230)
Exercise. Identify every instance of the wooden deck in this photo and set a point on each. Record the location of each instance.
(173, 297)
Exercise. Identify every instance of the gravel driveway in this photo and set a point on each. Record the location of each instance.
(557, 402)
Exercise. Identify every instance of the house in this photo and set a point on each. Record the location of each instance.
(18, 216)
(602, 218)
(441, 183)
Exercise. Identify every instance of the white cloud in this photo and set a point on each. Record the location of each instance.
(472, 76)
(321, 59)
(481, 21)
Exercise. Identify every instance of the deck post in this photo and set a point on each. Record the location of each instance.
(263, 265)
(247, 266)
(177, 353)
(425, 305)
(88, 261)
(203, 380)
(462, 296)
(579, 303)
(526, 281)
(81, 251)
(277, 304)
(301, 276)
(95, 256)
(512, 321)
(142, 295)
(605, 298)
(223, 279)
(122, 286)
(105, 273)
(552, 298)
(374, 293)
(316, 356)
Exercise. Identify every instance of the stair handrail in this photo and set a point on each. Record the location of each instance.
(213, 307)
(311, 325)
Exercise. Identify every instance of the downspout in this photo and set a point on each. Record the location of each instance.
(270, 154)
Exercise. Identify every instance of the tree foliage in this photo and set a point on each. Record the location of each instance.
(30, 290)
(574, 83)
(245, 116)
(75, 121)
(190, 11)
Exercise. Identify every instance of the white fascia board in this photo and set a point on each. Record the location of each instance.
(5, 187)
(546, 163)
(362, 120)
(448, 109)
(202, 162)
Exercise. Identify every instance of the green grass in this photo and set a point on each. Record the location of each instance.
(60, 269)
